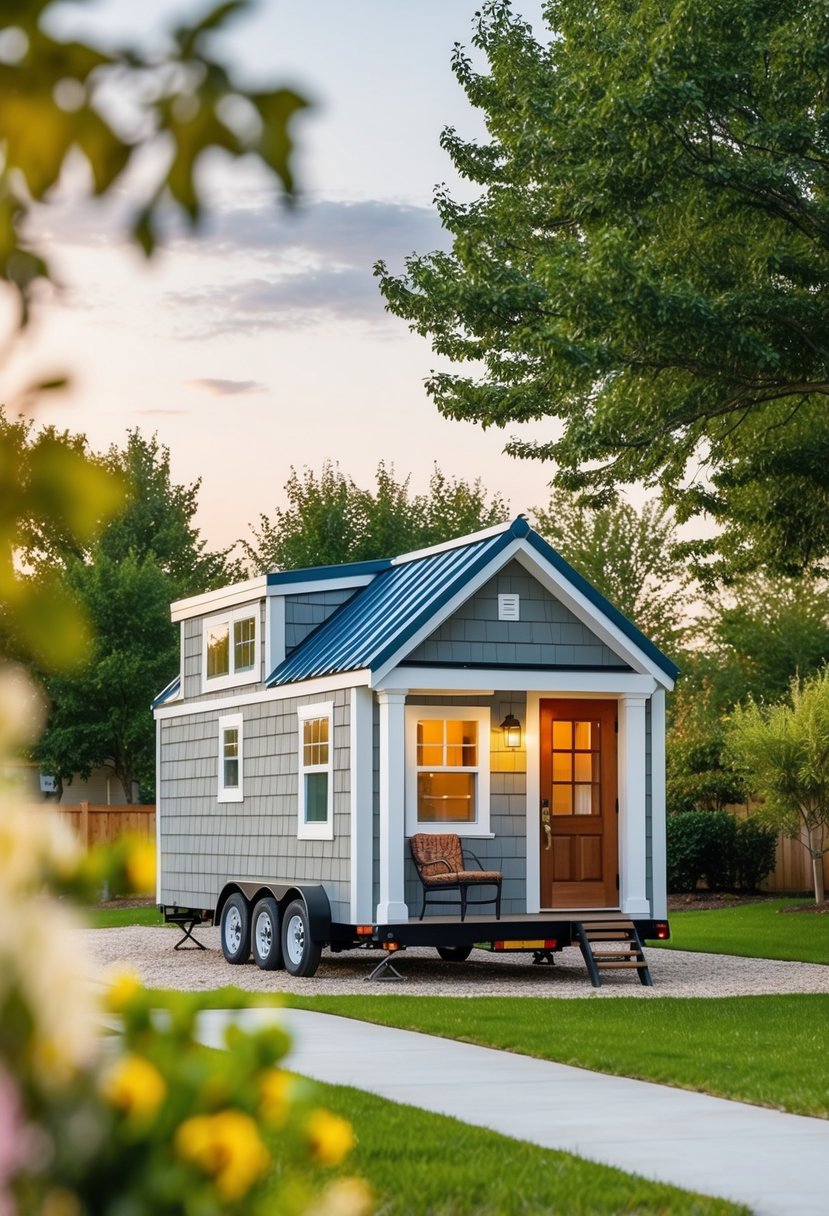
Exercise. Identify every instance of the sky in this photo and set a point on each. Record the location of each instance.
(263, 343)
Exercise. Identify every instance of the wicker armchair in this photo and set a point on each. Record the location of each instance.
(441, 866)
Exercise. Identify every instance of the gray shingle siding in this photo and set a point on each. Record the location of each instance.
(205, 842)
(547, 634)
(507, 851)
(303, 613)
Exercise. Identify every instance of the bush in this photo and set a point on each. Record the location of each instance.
(756, 853)
(701, 844)
(726, 852)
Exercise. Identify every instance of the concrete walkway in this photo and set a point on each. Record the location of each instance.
(776, 1164)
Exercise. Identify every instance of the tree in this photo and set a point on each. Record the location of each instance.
(330, 519)
(122, 584)
(759, 636)
(783, 750)
(648, 257)
(99, 714)
(628, 555)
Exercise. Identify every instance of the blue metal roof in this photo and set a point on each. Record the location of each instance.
(378, 621)
(168, 694)
(318, 573)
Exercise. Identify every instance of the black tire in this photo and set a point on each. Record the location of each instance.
(454, 954)
(265, 934)
(300, 954)
(235, 929)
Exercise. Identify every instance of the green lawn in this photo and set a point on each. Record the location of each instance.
(760, 930)
(768, 1050)
(116, 918)
(419, 1163)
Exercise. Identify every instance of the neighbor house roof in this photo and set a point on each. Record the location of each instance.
(376, 623)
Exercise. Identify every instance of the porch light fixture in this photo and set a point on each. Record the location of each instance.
(512, 731)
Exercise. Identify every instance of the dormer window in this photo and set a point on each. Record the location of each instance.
(230, 652)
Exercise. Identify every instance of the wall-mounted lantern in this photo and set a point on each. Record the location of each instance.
(512, 731)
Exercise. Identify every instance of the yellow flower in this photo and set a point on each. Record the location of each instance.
(140, 867)
(227, 1147)
(123, 987)
(329, 1136)
(60, 1202)
(275, 1088)
(135, 1086)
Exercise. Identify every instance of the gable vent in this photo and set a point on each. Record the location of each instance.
(509, 607)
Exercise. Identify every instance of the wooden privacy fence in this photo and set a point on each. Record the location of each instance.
(793, 868)
(95, 825)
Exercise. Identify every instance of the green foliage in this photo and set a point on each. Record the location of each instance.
(626, 554)
(701, 845)
(121, 584)
(758, 637)
(647, 257)
(784, 752)
(728, 853)
(330, 519)
(184, 101)
(719, 1047)
(699, 774)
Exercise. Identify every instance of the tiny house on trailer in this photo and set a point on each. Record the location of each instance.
(480, 689)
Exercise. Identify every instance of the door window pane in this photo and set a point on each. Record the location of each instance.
(562, 800)
(563, 735)
(562, 766)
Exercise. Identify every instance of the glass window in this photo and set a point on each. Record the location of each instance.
(446, 744)
(576, 771)
(244, 644)
(315, 772)
(230, 649)
(230, 750)
(231, 771)
(218, 650)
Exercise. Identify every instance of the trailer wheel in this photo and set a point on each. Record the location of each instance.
(301, 955)
(235, 929)
(454, 954)
(265, 936)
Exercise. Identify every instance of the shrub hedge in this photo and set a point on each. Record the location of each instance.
(729, 854)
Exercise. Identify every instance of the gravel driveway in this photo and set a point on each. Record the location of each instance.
(150, 953)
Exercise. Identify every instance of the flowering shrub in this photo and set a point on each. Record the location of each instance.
(109, 1105)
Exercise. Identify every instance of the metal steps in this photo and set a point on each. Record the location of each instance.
(628, 955)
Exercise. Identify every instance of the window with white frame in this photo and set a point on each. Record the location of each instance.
(230, 759)
(447, 769)
(230, 650)
(316, 782)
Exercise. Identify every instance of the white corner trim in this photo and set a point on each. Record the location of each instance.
(362, 807)
(532, 742)
(659, 826)
(157, 812)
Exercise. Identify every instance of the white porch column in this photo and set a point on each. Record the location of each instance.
(392, 906)
(362, 807)
(659, 826)
(632, 805)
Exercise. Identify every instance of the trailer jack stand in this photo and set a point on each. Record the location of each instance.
(385, 970)
(543, 958)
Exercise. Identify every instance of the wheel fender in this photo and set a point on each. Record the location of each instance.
(316, 905)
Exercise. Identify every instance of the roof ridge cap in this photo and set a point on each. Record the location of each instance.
(518, 526)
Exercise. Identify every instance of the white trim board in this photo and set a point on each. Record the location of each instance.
(485, 681)
(284, 692)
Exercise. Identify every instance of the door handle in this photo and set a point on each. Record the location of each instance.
(549, 832)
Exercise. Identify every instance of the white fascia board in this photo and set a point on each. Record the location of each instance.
(485, 681)
(216, 601)
(466, 592)
(459, 543)
(590, 616)
(283, 692)
(322, 584)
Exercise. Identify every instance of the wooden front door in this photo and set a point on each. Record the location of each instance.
(578, 820)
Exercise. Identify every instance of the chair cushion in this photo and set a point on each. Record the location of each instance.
(429, 853)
